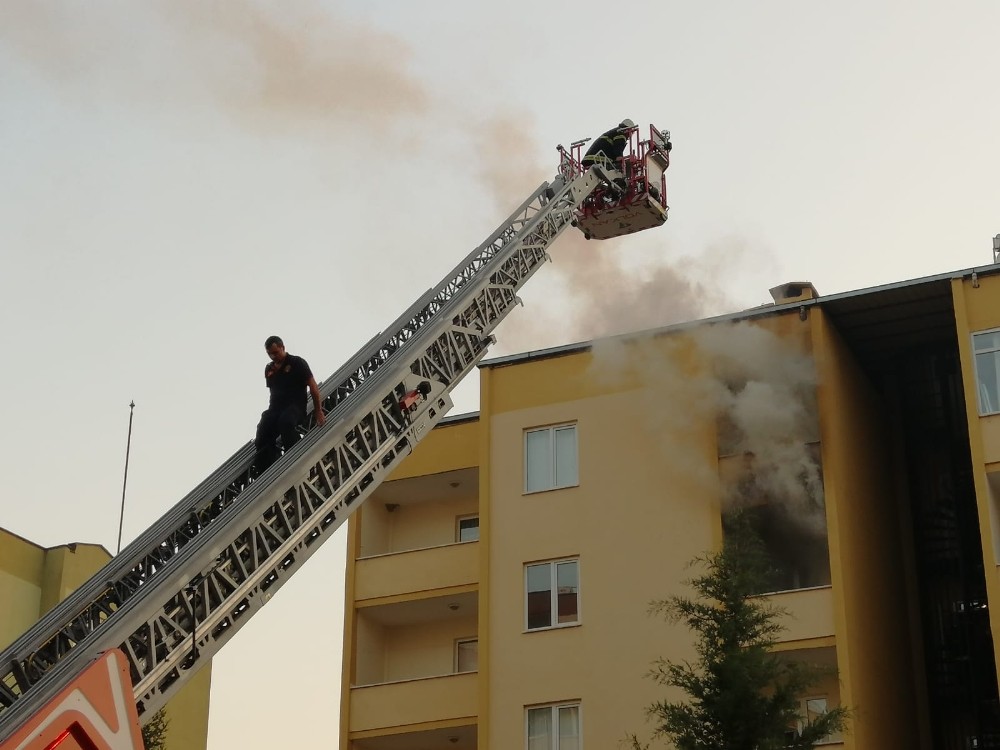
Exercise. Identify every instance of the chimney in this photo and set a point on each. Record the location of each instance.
(793, 291)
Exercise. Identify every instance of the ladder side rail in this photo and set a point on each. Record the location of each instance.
(407, 326)
(457, 284)
(146, 555)
(100, 595)
(220, 584)
(148, 626)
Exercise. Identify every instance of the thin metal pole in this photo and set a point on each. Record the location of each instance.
(128, 447)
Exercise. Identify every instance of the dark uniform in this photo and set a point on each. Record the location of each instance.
(612, 144)
(288, 383)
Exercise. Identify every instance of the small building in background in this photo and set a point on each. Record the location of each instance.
(33, 579)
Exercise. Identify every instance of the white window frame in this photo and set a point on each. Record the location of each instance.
(458, 527)
(554, 594)
(554, 708)
(551, 484)
(800, 723)
(459, 642)
(985, 409)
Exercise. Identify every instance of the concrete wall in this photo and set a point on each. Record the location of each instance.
(632, 522)
(874, 630)
(425, 649)
(977, 308)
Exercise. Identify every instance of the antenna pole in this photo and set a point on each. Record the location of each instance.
(128, 447)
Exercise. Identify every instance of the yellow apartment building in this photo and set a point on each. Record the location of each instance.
(33, 579)
(497, 587)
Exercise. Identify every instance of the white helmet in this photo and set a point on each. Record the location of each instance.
(627, 124)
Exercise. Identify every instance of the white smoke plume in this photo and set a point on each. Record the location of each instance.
(757, 387)
(766, 406)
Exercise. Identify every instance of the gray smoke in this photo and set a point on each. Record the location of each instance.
(757, 387)
(268, 68)
(767, 411)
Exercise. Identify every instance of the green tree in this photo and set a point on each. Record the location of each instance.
(741, 695)
(154, 732)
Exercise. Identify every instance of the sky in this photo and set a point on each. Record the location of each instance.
(180, 179)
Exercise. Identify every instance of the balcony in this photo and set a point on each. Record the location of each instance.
(416, 639)
(390, 706)
(400, 573)
(810, 613)
(457, 736)
(420, 512)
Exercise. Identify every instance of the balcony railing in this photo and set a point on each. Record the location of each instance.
(417, 570)
(396, 704)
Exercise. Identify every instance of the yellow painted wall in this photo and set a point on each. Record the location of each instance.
(873, 627)
(439, 701)
(414, 526)
(34, 579)
(375, 534)
(425, 649)
(633, 521)
(978, 309)
(448, 447)
(21, 565)
(428, 524)
(370, 646)
(990, 430)
(187, 713)
(420, 570)
(810, 613)
(646, 504)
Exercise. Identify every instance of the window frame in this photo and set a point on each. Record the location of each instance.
(830, 739)
(551, 430)
(554, 709)
(458, 528)
(459, 642)
(554, 594)
(975, 367)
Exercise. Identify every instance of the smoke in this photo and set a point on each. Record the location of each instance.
(758, 388)
(267, 68)
(306, 71)
(506, 163)
(595, 288)
(767, 413)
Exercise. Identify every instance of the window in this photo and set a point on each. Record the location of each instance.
(787, 512)
(550, 458)
(467, 529)
(986, 348)
(467, 655)
(810, 710)
(553, 727)
(552, 594)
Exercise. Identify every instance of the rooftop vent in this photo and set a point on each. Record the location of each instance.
(793, 291)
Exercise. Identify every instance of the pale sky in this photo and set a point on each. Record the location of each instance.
(180, 179)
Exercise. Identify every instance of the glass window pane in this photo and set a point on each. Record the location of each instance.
(988, 379)
(467, 656)
(540, 729)
(539, 596)
(567, 575)
(815, 708)
(468, 529)
(986, 341)
(569, 728)
(538, 460)
(566, 457)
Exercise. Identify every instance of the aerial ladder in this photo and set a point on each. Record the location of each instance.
(114, 651)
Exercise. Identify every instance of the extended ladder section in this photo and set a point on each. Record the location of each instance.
(175, 595)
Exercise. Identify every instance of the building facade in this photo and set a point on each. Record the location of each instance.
(33, 579)
(498, 586)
